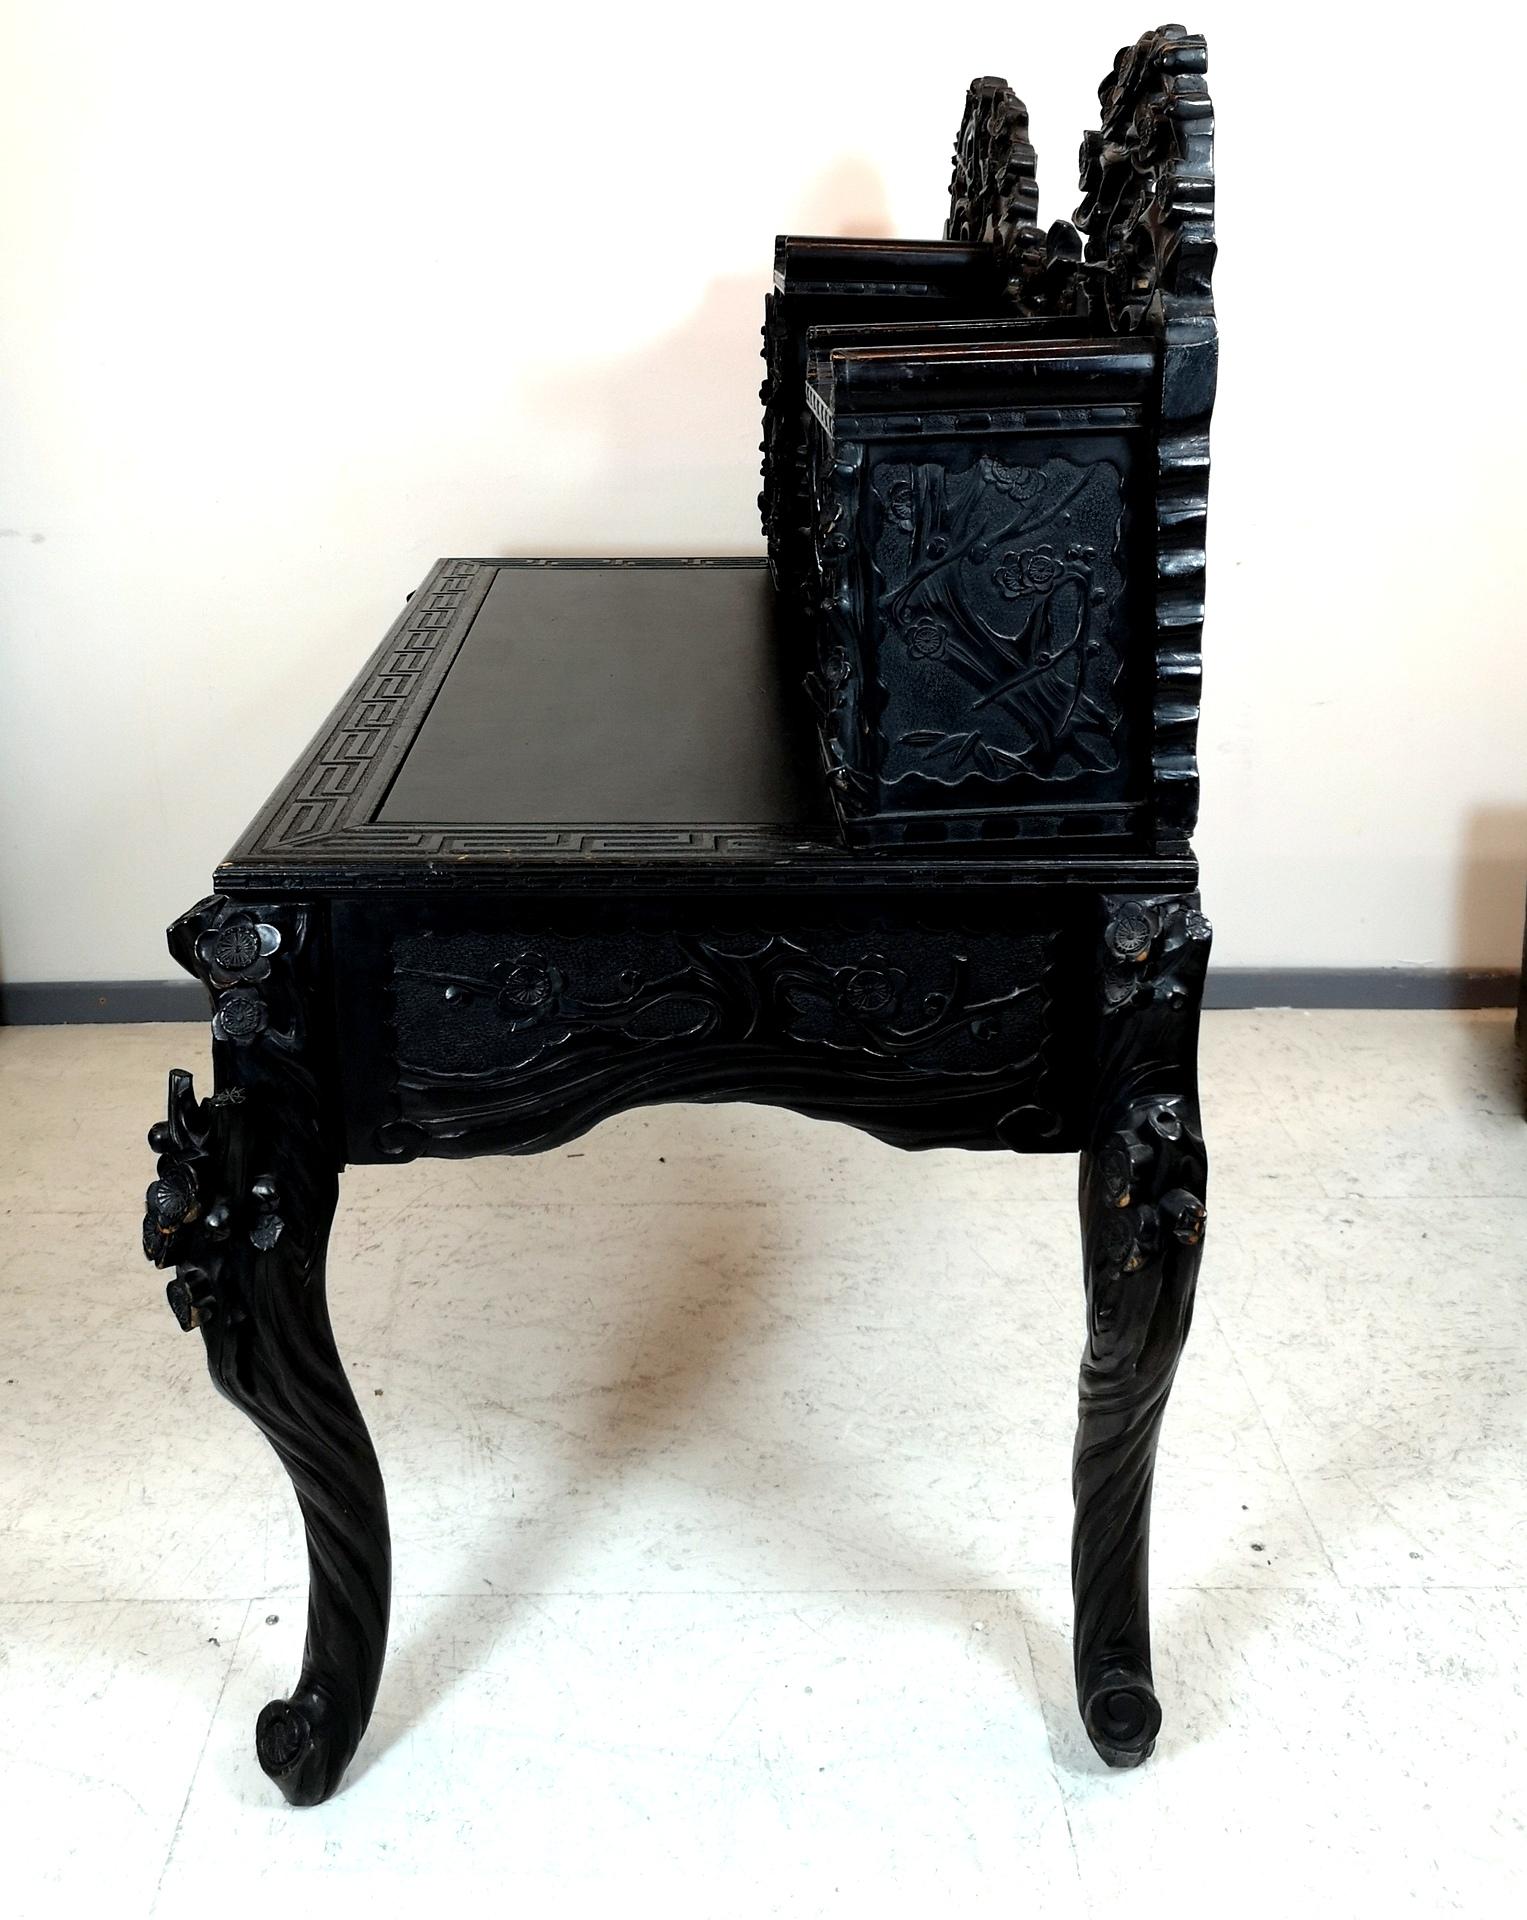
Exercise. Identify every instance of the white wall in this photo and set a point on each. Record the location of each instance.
(297, 297)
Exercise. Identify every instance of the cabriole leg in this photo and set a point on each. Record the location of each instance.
(1142, 1204)
(241, 1208)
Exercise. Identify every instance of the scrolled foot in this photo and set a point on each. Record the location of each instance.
(305, 1746)
(1122, 1716)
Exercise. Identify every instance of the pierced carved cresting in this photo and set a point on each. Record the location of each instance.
(900, 735)
(240, 1209)
(512, 1042)
(1147, 178)
(993, 191)
(997, 597)
(1143, 1183)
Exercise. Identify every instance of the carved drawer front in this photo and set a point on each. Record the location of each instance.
(510, 1040)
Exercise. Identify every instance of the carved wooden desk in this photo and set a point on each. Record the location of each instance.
(565, 849)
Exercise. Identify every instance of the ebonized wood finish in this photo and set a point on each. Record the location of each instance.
(992, 501)
(566, 847)
(394, 972)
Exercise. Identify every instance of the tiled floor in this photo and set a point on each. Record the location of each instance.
(728, 1462)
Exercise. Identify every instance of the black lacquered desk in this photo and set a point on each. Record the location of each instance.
(563, 849)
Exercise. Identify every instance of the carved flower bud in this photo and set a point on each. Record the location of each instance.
(190, 1300)
(268, 1225)
(169, 1205)
(1186, 1216)
(1115, 1246)
(1122, 1165)
(168, 1202)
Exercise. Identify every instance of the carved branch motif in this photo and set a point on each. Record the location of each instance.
(903, 1030)
(240, 1208)
(998, 588)
(1142, 1205)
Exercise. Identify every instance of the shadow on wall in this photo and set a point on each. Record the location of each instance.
(673, 429)
(1492, 888)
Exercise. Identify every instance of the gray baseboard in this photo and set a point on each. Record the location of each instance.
(52, 1003)
(1358, 987)
(63, 1003)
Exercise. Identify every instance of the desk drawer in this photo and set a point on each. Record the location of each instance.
(512, 1033)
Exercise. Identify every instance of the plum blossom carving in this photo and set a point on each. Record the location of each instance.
(526, 987)
(240, 949)
(901, 505)
(1018, 483)
(1130, 932)
(1034, 570)
(1001, 587)
(240, 1016)
(953, 1010)
(872, 988)
(927, 638)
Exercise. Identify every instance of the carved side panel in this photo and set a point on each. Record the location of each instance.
(511, 1041)
(998, 619)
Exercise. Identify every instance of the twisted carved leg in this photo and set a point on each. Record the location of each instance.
(1142, 1204)
(246, 1189)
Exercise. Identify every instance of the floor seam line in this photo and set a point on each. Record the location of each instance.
(1235, 1361)
(1044, 1721)
(201, 1754)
